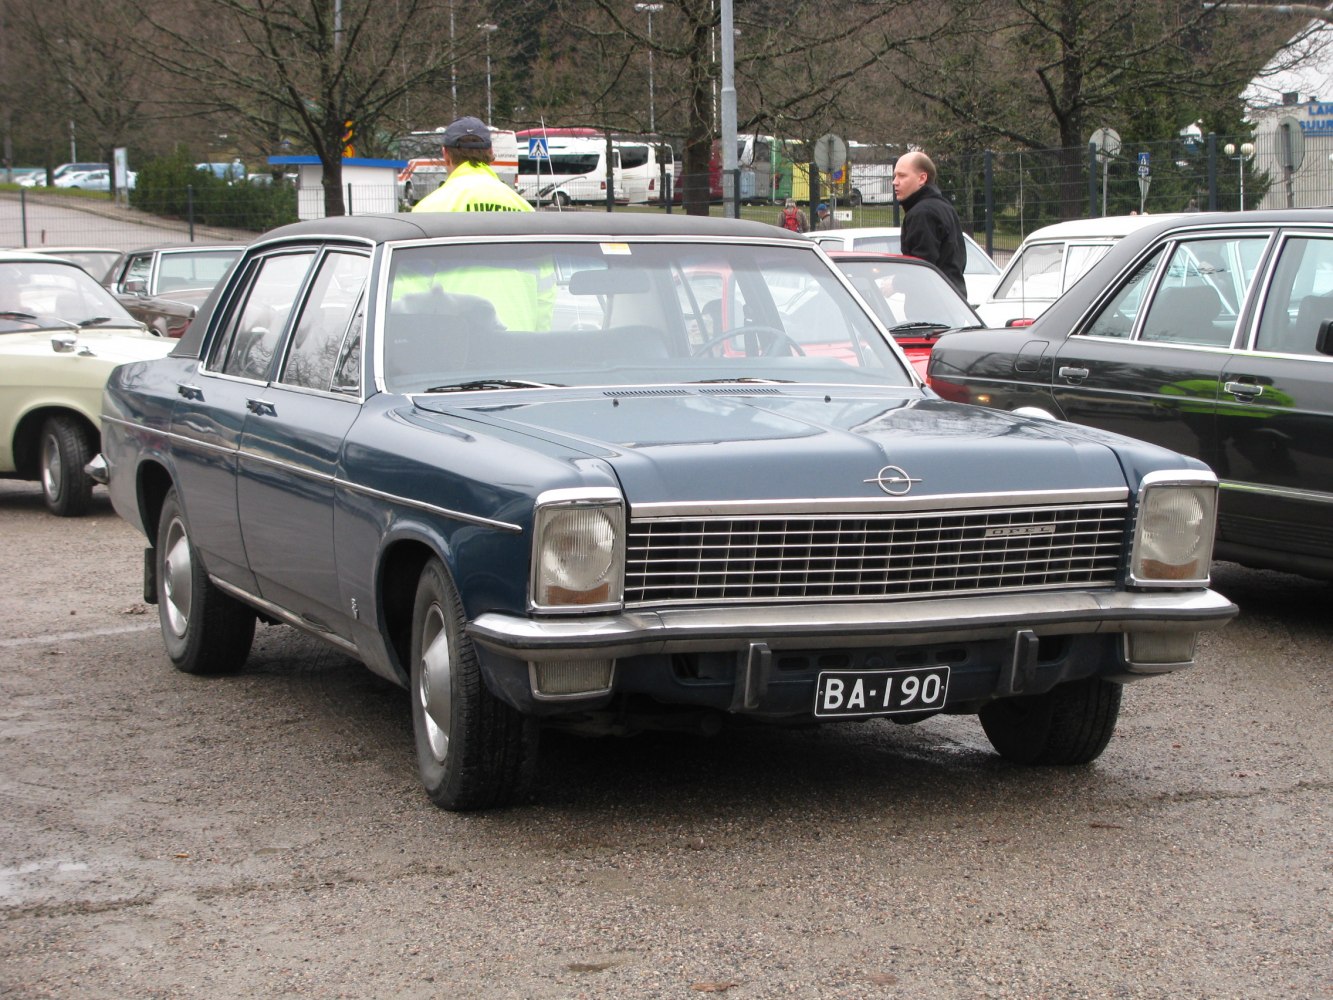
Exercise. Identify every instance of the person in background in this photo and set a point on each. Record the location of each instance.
(931, 228)
(793, 218)
(472, 185)
(823, 218)
(1192, 205)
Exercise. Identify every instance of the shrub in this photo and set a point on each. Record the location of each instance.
(171, 186)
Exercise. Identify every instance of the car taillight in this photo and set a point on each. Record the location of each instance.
(950, 390)
(1019, 322)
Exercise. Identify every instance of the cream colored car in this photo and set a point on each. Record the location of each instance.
(61, 334)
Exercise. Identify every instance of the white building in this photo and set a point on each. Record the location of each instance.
(369, 186)
(1295, 90)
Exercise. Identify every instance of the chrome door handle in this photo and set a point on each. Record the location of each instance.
(190, 391)
(1243, 390)
(1074, 374)
(261, 407)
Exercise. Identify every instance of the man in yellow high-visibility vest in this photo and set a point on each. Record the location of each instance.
(472, 185)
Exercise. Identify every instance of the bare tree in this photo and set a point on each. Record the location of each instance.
(85, 72)
(795, 62)
(318, 68)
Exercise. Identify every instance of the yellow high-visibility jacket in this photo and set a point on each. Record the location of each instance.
(473, 187)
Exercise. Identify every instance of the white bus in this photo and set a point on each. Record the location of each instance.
(642, 165)
(567, 170)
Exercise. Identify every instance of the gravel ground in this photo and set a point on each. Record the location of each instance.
(264, 834)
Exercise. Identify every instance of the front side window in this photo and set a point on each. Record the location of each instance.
(138, 269)
(1300, 299)
(580, 313)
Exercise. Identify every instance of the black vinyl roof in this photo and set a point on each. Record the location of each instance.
(428, 225)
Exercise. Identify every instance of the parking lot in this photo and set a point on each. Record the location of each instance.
(266, 834)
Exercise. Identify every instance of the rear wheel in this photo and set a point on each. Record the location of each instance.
(66, 447)
(1070, 724)
(473, 750)
(205, 631)
(561, 200)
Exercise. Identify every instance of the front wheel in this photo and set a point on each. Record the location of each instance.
(473, 750)
(66, 448)
(1070, 724)
(205, 631)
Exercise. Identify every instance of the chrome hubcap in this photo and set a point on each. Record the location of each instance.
(51, 467)
(177, 594)
(433, 688)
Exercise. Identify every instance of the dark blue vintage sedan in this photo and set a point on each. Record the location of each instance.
(609, 472)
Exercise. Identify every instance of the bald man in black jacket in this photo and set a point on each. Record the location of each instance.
(931, 229)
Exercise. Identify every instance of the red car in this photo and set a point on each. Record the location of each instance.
(910, 296)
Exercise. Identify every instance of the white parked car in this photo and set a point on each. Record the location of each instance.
(61, 334)
(1048, 261)
(980, 274)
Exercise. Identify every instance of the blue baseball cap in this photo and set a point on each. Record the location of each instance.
(821, 207)
(467, 133)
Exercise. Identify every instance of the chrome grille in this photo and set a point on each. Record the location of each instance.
(672, 560)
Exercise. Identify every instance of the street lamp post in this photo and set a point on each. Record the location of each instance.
(650, 9)
(1246, 150)
(489, 29)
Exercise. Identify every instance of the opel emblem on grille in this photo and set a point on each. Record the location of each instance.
(892, 480)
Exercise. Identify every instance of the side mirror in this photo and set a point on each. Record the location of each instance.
(1324, 341)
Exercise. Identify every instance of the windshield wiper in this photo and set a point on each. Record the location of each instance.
(493, 383)
(14, 315)
(744, 379)
(919, 325)
(95, 321)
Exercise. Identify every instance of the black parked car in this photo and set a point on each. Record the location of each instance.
(1209, 334)
(611, 472)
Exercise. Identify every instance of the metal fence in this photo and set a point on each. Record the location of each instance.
(1001, 197)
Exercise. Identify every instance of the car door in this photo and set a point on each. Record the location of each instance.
(1149, 362)
(214, 402)
(1275, 411)
(292, 444)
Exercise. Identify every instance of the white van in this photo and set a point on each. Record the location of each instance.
(563, 170)
(641, 165)
(1048, 261)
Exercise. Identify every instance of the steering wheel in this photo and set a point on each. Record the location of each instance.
(770, 338)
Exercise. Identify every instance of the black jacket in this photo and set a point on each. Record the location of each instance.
(931, 231)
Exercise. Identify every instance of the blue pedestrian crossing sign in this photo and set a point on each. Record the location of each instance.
(537, 148)
(1143, 164)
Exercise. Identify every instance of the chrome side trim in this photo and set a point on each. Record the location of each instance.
(455, 515)
(323, 477)
(1281, 492)
(812, 626)
(286, 617)
(873, 504)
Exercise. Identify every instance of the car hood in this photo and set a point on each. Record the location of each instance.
(115, 345)
(672, 444)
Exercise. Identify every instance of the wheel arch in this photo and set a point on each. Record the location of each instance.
(401, 564)
(152, 484)
(28, 434)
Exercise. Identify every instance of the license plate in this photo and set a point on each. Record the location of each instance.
(842, 693)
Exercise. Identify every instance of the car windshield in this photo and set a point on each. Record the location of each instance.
(906, 294)
(40, 294)
(597, 313)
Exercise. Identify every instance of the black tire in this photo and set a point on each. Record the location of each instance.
(473, 751)
(65, 448)
(205, 631)
(1070, 724)
(562, 200)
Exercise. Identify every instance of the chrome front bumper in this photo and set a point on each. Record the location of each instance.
(682, 630)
